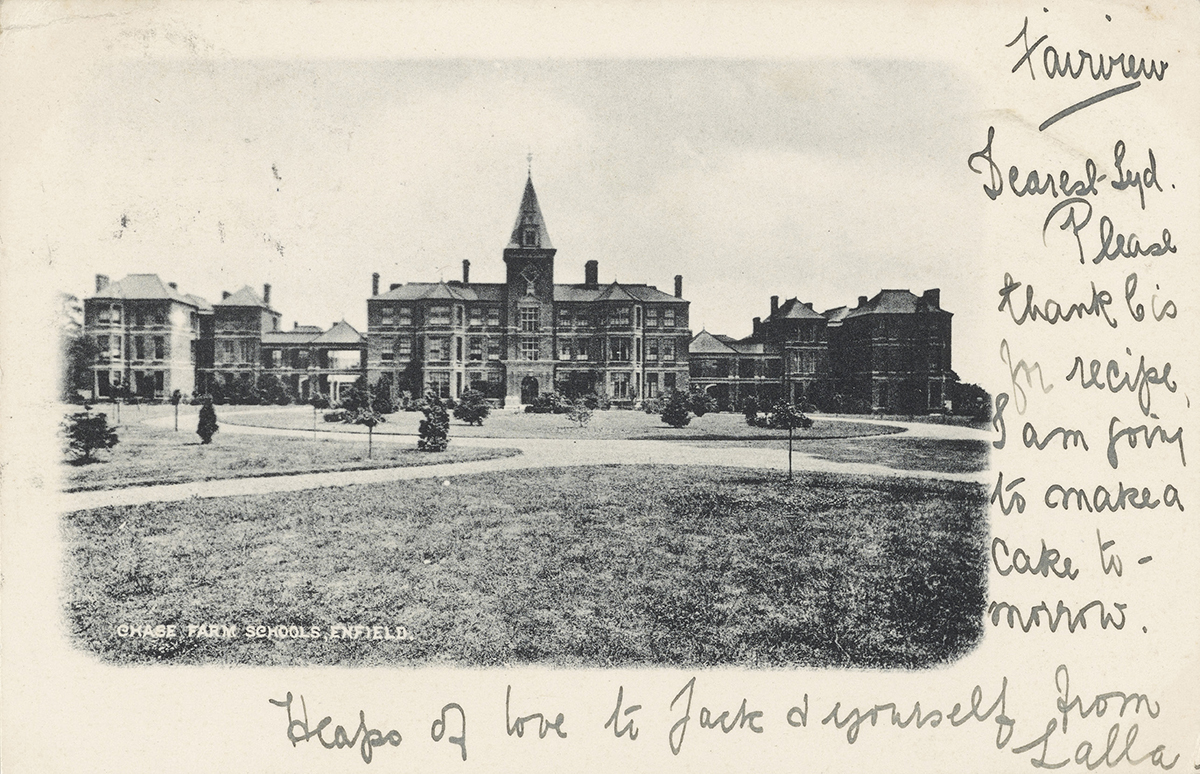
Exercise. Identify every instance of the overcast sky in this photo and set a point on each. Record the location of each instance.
(818, 179)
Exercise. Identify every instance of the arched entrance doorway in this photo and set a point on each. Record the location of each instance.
(529, 390)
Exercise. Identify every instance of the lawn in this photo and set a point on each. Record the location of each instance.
(149, 454)
(902, 452)
(605, 425)
(572, 567)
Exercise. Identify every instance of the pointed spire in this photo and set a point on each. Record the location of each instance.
(530, 229)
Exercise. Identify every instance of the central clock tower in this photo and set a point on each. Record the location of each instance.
(529, 304)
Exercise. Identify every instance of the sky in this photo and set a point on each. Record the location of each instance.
(819, 179)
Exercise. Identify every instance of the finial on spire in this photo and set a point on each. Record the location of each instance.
(529, 161)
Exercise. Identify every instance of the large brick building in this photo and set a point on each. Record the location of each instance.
(529, 334)
(889, 353)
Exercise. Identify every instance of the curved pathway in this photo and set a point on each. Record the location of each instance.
(535, 453)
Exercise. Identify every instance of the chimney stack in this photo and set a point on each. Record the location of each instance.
(679, 286)
(774, 305)
(757, 324)
(394, 285)
(375, 284)
(172, 286)
(591, 274)
(862, 301)
(101, 282)
(295, 325)
(466, 272)
(932, 298)
(224, 294)
(267, 294)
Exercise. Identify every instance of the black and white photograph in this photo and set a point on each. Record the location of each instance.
(774, 375)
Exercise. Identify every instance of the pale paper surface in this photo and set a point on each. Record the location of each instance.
(63, 711)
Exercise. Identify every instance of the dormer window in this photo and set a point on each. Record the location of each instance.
(529, 236)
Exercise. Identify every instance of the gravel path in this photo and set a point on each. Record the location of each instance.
(535, 452)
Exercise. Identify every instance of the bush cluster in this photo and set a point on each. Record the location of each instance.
(434, 431)
(472, 408)
(677, 409)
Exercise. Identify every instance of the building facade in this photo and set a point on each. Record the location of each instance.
(889, 353)
(151, 340)
(528, 335)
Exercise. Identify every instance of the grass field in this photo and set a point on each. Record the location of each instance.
(604, 425)
(149, 454)
(901, 452)
(590, 566)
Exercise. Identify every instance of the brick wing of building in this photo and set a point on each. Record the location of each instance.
(528, 335)
(890, 353)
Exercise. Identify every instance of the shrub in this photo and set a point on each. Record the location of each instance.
(87, 432)
(675, 413)
(337, 415)
(653, 406)
(580, 414)
(434, 430)
(472, 408)
(208, 426)
(381, 401)
(781, 416)
(357, 396)
(549, 403)
(701, 403)
(319, 402)
(750, 409)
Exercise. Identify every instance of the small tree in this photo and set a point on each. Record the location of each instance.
(369, 418)
(676, 413)
(435, 427)
(701, 403)
(208, 423)
(750, 409)
(786, 415)
(176, 397)
(472, 408)
(87, 432)
(580, 413)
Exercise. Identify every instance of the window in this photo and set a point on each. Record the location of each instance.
(159, 317)
(247, 351)
(102, 345)
(226, 351)
(668, 381)
(439, 315)
(564, 349)
(637, 313)
(493, 348)
(668, 318)
(493, 316)
(458, 347)
(159, 383)
(651, 385)
(619, 349)
(581, 349)
(104, 314)
(564, 317)
(433, 350)
(476, 352)
(808, 362)
(651, 318)
(638, 346)
(458, 315)
(387, 315)
(404, 347)
(139, 348)
(619, 316)
(529, 349)
(116, 346)
(529, 319)
(404, 315)
(438, 382)
(116, 314)
(620, 383)
(476, 316)
(160, 348)
(652, 350)
(668, 349)
(388, 357)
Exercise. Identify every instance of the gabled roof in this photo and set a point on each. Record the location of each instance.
(530, 214)
(294, 336)
(244, 297)
(586, 293)
(147, 287)
(200, 303)
(836, 315)
(893, 301)
(793, 309)
(341, 332)
(704, 343)
(614, 292)
(416, 291)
